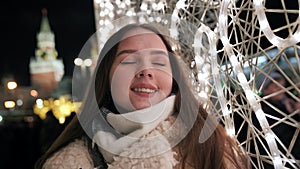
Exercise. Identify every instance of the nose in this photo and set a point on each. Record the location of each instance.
(144, 73)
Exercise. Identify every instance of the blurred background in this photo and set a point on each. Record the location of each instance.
(41, 42)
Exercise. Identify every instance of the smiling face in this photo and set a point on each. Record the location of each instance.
(141, 74)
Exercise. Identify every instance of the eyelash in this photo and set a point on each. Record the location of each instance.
(159, 64)
(127, 62)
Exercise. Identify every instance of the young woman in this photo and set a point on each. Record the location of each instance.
(141, 112)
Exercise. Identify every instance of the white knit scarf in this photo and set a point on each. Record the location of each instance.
(142, 144)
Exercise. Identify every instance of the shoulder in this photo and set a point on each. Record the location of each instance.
(73, 156)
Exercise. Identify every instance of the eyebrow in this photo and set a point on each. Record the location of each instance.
(158, 52)
(126, 52)
(152, 52)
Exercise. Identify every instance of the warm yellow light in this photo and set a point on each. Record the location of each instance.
(56, 102)
(61, 120)
(61, 108)
(41, 108)
(11, 85)
(9, 104)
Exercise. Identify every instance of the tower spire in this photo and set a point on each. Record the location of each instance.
(45, 27)
(45, 37)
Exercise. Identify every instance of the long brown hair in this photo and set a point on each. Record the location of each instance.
(214, 153)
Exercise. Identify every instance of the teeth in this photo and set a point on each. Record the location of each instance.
(144, 90)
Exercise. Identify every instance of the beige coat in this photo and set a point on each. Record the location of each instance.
(76, 156)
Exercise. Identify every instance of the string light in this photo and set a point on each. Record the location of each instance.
(180, 4)
(208, 66)
(266, 29)
(174, 22)
(203, 29)
(243, 82)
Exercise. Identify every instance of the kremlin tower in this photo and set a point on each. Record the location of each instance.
(45, 68)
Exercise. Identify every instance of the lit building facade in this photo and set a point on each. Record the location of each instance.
(46, 69)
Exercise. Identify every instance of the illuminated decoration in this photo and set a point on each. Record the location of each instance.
(34, 93)
(266, 29)
(9, 104)
(15, 99)
(204, 72)
(85, 63)
(250, 95)
(12, 85)
(61, 108)
(236, 45)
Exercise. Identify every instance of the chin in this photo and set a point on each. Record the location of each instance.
(139, 106)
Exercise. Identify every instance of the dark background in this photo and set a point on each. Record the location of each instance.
(72, 22)
(23, 138)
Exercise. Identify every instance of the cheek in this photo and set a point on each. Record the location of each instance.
(120, 80)
(165, 82)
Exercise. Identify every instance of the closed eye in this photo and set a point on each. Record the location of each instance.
(127, 62)
(159, 64)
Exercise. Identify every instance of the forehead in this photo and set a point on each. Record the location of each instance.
(137, 31)
(140, 38)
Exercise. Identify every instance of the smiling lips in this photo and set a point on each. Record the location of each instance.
(144, 90)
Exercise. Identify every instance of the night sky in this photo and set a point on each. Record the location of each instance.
(72, 22)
